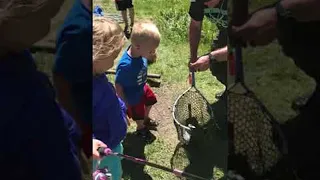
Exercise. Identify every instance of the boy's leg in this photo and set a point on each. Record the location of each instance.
(149, 100)
(137, 113)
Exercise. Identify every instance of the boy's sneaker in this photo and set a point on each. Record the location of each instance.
(151, 124)
(145, 134)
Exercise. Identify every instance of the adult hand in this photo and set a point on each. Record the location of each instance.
(95, 145)
(260, 29)
(202, 64)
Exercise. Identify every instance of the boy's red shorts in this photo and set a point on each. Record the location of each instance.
(137, 112)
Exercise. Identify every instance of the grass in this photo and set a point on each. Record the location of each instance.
(275, 79)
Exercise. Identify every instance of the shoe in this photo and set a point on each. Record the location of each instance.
(145, 134)
(151, 124)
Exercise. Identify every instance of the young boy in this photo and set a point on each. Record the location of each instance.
(72, 71)
(35, 140)
(122, 6)
(109, 117)
(131, 76)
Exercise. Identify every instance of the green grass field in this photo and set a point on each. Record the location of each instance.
(272, 76)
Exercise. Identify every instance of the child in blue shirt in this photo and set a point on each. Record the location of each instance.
(109, 117)
(38, 138)
(131, 76)
(72, 70)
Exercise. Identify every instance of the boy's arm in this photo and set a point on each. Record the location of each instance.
(66, 100)
(120, 93)
(72, 69)
(122, 78)
(64, 96)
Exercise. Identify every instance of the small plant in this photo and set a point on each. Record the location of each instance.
(173, 24)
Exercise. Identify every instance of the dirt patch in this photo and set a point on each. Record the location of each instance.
(162, 111)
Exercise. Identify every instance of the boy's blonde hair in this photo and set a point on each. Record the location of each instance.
(145, 31)
(108, 39)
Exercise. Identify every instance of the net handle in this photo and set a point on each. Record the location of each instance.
(193, 81)
(239, 65)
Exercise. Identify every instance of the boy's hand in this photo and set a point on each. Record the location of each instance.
(95, 145)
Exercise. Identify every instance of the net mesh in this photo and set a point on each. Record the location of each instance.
(254, 134)
(192, 108)
(180, 159)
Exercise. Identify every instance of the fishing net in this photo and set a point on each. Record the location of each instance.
(256, 143)
(180, 159)
(184, 158)
(191, 110)
(255, 134)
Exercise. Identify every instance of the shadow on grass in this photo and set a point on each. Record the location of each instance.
(134, 146)
(208, 148)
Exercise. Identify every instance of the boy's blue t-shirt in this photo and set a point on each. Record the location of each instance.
(34, 135)
(74, 57)
(109, 123)
(131, 74)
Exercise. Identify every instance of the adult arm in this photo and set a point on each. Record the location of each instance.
(220, 54)
(194, 38)
(303, 10)
(196, 13)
